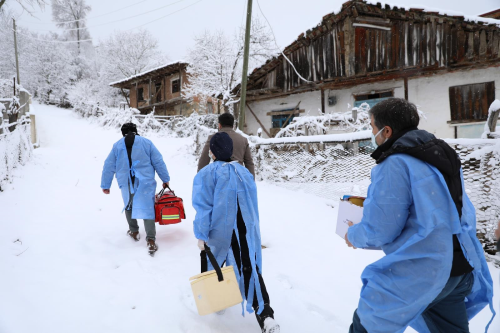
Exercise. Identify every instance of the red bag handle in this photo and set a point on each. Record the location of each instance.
(163, 190)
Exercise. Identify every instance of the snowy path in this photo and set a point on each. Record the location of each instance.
(76, 270)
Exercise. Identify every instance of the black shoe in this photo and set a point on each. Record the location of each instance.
(152, 247)
(135, 235)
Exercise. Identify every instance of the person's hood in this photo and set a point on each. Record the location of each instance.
(427, 148)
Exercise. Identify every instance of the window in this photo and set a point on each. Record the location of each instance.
(176, 86)
(210, 108)
(470, 103)
(280, 119)
(158, 92)
(372, 99)
(140, 94)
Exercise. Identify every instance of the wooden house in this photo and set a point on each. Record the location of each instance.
(449, 66)
(161, 88)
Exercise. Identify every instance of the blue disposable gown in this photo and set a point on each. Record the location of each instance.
(217, 190)
(410, 215)
(146, 159)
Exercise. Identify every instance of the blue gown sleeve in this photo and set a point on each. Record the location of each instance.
(386, 207)
(203, 203)
(159, 164)
(108, 170)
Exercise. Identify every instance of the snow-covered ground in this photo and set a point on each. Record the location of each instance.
(68, 266)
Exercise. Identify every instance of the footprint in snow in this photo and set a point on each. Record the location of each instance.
(285, 282)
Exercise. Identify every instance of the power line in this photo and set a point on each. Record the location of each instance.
(51, 41)
(89, 40)
(120, 20)
(90, 18)
(278, 48)
(139, 26)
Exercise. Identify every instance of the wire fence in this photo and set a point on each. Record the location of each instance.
(332, 169)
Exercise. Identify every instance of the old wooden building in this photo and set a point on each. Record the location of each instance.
(161, 88)
(448, 65)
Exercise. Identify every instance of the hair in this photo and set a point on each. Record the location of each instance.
(397, 113)
(127, 128)
(226, 120)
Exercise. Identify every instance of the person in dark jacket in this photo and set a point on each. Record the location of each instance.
(418, 213)
(241, 148)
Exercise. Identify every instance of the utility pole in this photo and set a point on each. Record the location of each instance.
(243, 95)
(15, 48)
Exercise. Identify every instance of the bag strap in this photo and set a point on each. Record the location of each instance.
(204, 264)
(204, 261)
(163, 190)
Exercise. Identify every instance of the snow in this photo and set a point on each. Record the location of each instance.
(345, 137)
(148, 71)
(69, 267)
(495, 106)
(471, 18)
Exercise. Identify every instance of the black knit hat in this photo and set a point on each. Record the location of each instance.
(129, 127)
(221, 145)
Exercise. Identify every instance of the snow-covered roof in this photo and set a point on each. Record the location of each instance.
(365, 8)
(439, 11)
(165, 67)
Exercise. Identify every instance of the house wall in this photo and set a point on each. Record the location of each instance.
(196, 105)
(430, 94)
(311, 103)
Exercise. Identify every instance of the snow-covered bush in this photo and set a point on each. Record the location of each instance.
(187, 126)
(317, 125)
(149, 124)
(115, 118)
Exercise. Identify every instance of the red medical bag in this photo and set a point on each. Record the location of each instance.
(169, 209)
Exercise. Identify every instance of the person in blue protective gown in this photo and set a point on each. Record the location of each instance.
(434, 276)
(227, 220)
(134, 160)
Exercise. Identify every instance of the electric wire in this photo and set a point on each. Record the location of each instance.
(88, 18)
(161, 18)
(89, 40)
(120, 20)
(277, 46)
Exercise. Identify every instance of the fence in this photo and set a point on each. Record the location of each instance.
(332, 168)
(15, 148)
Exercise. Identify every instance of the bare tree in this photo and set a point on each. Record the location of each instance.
(71, 15)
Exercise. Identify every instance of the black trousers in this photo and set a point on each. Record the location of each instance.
(243, 262)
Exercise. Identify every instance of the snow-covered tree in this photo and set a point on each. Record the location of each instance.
(130, 52)
(27, 5)
(70, 15)
(216, 61)
(52, 68)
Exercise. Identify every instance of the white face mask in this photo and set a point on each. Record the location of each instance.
(210, 156)
(374, 137)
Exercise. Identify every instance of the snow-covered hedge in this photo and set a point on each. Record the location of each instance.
(15, 150)
(317, 125)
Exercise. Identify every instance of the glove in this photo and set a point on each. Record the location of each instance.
(201, 245)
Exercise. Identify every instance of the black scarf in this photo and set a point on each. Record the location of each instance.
(427, 148)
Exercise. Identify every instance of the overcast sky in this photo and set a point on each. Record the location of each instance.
(175, 32)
